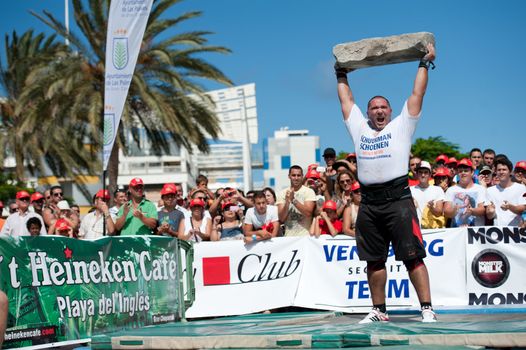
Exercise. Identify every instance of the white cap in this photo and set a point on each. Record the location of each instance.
(424, 164)
(63, 205)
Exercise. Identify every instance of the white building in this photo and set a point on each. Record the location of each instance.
(287, 148)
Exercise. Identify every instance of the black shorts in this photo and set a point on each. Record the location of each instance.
(379, 224)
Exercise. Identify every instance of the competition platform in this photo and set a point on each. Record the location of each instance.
(457, 329)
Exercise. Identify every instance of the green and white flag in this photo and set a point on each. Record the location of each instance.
(126, 24)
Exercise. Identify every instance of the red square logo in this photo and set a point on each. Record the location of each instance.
(216, 270)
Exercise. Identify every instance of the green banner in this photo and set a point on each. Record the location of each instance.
(62, 289)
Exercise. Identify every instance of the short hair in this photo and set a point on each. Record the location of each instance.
(259, 194)
(197, 191)
(297, 167)
(378, 96)
(504, 161)
(201, 178)
(34, 221)
(269, 189)
(54, 188)
(488, 151)
(474, 150)
(118, 190)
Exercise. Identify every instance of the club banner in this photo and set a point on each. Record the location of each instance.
(61, 289)
(496, 265)
(233, 278)
(126, 25)
(325, 273)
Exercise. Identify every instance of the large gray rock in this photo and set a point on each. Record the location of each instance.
(380, 51)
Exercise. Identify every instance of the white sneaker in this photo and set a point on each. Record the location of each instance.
(375, 316)
(428, 316)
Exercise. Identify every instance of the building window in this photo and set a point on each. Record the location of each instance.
(285, 162)
(272, 182)
(318, 155)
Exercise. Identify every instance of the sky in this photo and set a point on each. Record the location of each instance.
(285, 48)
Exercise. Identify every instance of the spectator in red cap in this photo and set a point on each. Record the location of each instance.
(228, 225)
(506, 199)
(37, 200)
(138, 216)
(441, 160)
(350, 213)
(61, 227)
(519, 172)
(261, 221)
(2, 220)
(327, 223)
(351, 158)
(92, 225)
(442, 178)
(197, 226)
(314, 181)
(16, 223)
(429, 199)
(171, 220)
(451, 164)
(464, 202)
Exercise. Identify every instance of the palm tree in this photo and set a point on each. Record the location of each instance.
(39, 141)
(164, 98)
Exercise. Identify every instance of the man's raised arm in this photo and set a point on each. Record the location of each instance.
(414, 103)
(344, 91)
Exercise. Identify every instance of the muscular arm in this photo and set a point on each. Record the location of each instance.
(414, 103)
(345, 95)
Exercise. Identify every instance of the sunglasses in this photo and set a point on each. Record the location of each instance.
(13, 210)
(26, 199)
(345, 181)
(58, 194)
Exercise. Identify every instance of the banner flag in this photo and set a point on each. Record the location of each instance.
(126, 25)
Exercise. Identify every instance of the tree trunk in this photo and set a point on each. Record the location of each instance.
(113, 168)
(19, 159)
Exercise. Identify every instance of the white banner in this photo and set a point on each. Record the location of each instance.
(325, 273)
(126, 24)
(496, 265)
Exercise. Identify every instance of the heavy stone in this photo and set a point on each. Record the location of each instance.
(380, 51)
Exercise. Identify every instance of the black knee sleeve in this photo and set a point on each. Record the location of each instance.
(412, 264)
(375, 265)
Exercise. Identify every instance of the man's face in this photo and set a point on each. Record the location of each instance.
(465, 174)
(121, 198)
(169, 199)
(413, 163)
(520, 174)
(23, 203)
(476, 158)
(423, 175)
(261, 205)
(488, 159)
(56, 195)
(38, 204)
(329, 159)
(296, 177)
(379, 113)
(503, 173)
(47, 196)
(137, 192)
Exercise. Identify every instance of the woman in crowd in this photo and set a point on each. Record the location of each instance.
(350, 213)
(342, 195)
(197, 227)
(227, 226)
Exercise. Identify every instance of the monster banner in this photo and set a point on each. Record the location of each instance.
(61, 289)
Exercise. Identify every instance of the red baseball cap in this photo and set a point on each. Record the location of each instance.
(312, 166)
(197, 203)
(22, 194)
(36, 196)
(104, 194)
(355, 186)
(452, 160)
(227, 204)
(312, 174)
(62, 225)
(521, 165)
(351, 155)
(442, 172)
(441, 158)
(465, 162)
(330, 205)
(136, 181)
(168, 189)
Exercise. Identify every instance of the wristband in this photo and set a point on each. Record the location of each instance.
(254, 238)
(426, 64)
(340, 74)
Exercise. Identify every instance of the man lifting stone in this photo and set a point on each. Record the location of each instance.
(387, 213)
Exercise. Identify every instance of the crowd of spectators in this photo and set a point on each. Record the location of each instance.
(324, 199)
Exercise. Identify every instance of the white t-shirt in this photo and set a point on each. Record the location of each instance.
(513, 195)
(252, 217)
(422, 196)
(460, 196)
(16, 225)
(92, 226)
(381, 155)
(202, 227)
(297, 224)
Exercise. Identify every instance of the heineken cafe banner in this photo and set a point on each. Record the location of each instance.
(61, 289)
